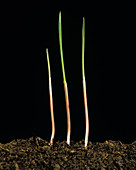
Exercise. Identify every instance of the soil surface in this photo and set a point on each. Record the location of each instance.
(36, 153)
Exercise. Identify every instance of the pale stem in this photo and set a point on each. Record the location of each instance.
(86, 112)
(52, 114)
(68, 112)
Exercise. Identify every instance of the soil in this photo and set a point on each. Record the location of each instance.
(36, 153)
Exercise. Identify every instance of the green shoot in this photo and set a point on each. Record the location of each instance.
(49, 71)
(61, 50)
(51, 100)
(65, 84)
(84, 86)
(83, 47)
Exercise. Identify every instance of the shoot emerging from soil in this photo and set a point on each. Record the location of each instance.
(84, 85)
(65, 83)
(51, 100)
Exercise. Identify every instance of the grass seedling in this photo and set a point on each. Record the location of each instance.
(65, 83)
(84, 85)
(51, 100)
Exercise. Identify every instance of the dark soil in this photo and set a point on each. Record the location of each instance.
(36, 153)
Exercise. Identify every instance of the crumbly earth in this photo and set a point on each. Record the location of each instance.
(36, 153)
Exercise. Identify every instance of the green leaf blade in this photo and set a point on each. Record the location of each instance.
(83, 47)
(48, 61)
(61, 49)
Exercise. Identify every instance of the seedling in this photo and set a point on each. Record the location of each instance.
(84, 85)
(65, 83)
(51, 100)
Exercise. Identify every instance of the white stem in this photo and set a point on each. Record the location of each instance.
(52, 114)
(68, 113)
(86, 113)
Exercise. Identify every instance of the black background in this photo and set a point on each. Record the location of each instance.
(109, 69)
